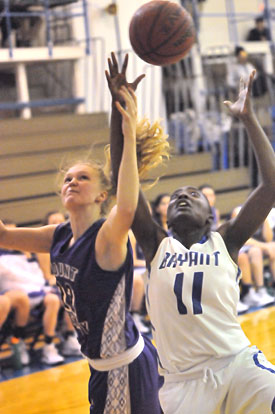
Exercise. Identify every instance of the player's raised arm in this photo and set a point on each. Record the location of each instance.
(259, 203)
(144, 228)
(111, 242)
(116, 80)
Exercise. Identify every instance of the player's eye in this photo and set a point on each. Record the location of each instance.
(67, 179)
(174, 196)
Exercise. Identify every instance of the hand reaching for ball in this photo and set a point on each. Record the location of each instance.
(118, 79)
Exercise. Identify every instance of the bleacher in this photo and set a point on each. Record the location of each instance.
(32, 152)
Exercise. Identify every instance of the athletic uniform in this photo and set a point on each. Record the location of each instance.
(204, 355)
(123, 364)
(23, 273)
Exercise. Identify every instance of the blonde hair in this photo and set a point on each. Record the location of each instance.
(152, 146)
(152, 149)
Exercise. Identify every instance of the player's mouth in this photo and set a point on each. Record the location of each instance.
(183, 204)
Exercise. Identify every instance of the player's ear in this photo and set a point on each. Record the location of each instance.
(102, 196)
(209, 220)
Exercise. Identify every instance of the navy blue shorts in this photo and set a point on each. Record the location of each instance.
(144, 384)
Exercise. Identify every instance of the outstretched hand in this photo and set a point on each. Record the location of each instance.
(243, 106)
(118, 79)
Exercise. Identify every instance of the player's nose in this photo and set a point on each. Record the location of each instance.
(73, 181)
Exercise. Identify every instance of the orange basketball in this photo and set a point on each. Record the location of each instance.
(161, 32)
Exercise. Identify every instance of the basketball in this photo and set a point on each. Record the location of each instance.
(161, 32)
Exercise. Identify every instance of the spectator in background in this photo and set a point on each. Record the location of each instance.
(70, 345)
(54, 217)
(17, 301)
(241, 70)
(21, 271)
(253, 291)
(26, 27)
(250, 261)
(263, 239)
(159, 209)
(259, 32)
(210, 194)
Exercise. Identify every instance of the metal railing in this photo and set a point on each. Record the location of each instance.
(43, 9)
(49, 12)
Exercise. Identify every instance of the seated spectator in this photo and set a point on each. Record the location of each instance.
(268, 244)
(259, 32)
(21, 271)
(159, 209)
(17, 301)
(70, 346)
(263, 239)
(210, 194)
(254, 293)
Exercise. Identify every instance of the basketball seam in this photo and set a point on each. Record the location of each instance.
(168, 39)
(172, 55)
(137, 37)
(154, 23)
(141, 44)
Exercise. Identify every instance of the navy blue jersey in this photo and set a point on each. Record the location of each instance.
(97, 300)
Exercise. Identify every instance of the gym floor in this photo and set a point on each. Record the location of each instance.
(64, 389)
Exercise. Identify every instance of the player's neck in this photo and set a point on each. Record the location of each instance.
(81, 222)
(190, 238)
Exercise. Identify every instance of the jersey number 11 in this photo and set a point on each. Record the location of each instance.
(196, 293)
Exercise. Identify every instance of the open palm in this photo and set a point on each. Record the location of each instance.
(118, 79)
(243, 105)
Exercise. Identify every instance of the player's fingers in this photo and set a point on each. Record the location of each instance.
(133, 95)
(110, 64)
(227, 103)
(124, 92)
(138, 79)
(115, 64)
(120, 108)
(130, 99)
(125, 64)
(108, 77)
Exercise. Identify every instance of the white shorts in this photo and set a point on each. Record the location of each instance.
(245, 386)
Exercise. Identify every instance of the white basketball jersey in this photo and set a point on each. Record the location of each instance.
(192, 297)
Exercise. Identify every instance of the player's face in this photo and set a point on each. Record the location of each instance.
(188, 203)
(81, 186)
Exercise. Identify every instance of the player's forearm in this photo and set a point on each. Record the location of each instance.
(128, 180)
(262, 148)
(116, 141)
